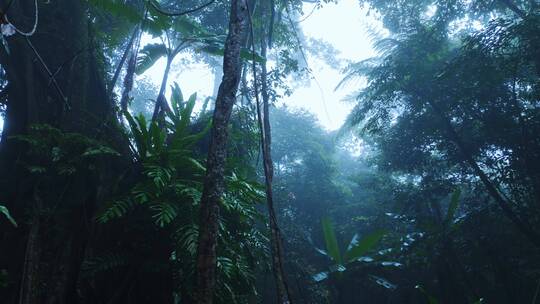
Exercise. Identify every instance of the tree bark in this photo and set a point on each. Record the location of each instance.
(215, 167)
(63, 31)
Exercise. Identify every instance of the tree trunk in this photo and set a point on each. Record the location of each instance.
(62, 44)
(30, 283)
(161, 103)
(217, 154)
(283, 293)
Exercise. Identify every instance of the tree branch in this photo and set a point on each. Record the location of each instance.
(181, 13)
(514, 8)
(122, 61)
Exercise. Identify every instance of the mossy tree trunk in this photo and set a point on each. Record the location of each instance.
(217, 154)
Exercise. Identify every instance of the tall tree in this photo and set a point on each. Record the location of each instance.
(217, 154)
(56, 78)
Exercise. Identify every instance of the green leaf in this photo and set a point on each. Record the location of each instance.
(116, 209)
(5, 211)
(189, 28)
(245, 54)
(185, 114)
(118, 9)
(138, 136)
(165, 213)
(364, 245)
(177, 99)
(156, 24)
(331, 241)
(249, 55)
(452, 207)
(149, 55)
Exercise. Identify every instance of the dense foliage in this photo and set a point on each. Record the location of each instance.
(429, 193)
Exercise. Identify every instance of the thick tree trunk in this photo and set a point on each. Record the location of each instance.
(217, 154)
(63, 42)
(30, 282)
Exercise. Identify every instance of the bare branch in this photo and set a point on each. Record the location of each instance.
(510, 5)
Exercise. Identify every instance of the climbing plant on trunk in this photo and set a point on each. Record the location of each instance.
(215, 167)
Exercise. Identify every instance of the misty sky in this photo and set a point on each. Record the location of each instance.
(342, 25)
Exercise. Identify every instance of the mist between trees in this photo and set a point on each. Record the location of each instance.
(117, 188)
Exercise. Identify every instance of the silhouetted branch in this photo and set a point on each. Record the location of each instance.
(181, 13)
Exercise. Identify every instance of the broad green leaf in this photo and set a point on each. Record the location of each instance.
(245, 54)
(177, 99)
(5, 211)
(134, 131)
(142, 126)
(149, 55)
(118, 9)
(185, 114)
(189, 28)
(157, 138)
(364, 245)
(452, 207)
(331, 241)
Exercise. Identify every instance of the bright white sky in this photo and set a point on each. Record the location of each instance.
(342, 25)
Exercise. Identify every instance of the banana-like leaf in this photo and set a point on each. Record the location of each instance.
(177, 99)
(149, 55)
(331, 241)
(363, 246)
(5, 211)
(138, 136)
(452, 207)
(142, 126)
(185, 114)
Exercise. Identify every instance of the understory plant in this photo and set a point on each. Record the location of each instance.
(167, 194)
